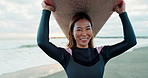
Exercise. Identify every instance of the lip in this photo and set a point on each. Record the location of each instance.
(84, 39)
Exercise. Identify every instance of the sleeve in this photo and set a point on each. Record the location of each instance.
(128, 42)
(43, 39)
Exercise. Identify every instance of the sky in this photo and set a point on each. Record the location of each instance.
(20, 19)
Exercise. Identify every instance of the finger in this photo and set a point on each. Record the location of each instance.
(116, 8)
(51, 8)
(43, 4)
(123, 3)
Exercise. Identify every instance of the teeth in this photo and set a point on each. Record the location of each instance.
(84, 39)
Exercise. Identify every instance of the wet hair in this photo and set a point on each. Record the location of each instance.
(72, 41)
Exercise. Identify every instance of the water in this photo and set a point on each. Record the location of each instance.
(21, 54)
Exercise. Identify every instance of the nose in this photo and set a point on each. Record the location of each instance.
(84, 33)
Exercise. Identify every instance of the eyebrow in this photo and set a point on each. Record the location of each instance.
(78, 27)
(86, 27)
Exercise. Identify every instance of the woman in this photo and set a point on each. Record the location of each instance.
(81, 59)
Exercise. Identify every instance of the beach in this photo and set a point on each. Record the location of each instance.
(131, 64)
(35, 72)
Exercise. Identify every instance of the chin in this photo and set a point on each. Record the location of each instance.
(84, 44)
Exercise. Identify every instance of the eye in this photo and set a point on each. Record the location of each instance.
(78, 29)
(87, 28)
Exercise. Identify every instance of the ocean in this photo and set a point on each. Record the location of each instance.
(21, 54)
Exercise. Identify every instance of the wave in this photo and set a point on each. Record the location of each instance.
(28, 46)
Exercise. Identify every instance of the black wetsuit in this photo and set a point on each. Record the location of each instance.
(84, 62)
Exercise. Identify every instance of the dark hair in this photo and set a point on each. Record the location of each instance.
(77, 17)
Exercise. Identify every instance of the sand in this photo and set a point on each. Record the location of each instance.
(35, 72)
(131, 64)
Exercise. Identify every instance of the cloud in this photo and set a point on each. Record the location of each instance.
(19, 16)
(23, 17)
(137, 7)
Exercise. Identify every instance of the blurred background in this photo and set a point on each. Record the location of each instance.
(19, 21)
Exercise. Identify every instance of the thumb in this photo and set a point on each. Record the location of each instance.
(51, 8)
(116, 8)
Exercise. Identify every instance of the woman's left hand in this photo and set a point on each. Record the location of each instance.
(120, 8)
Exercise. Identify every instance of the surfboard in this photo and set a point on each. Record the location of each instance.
(98, 10)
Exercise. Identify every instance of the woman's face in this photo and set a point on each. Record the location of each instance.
(82, 33)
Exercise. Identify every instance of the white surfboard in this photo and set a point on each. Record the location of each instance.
(98, 10)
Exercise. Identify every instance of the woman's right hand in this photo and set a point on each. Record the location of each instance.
(47, 7)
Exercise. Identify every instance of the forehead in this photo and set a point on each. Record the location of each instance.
(82, 23)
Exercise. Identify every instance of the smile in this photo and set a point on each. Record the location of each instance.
(84, 39)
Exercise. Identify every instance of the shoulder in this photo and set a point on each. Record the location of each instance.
(62, 51)
(99, 49)
(68, 50)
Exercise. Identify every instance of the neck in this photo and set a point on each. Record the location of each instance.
(85, 46)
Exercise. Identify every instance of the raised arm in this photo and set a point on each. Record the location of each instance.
(43, 38)
(129, 36)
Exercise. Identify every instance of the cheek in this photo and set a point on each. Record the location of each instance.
(90, 33)
(76, 34)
